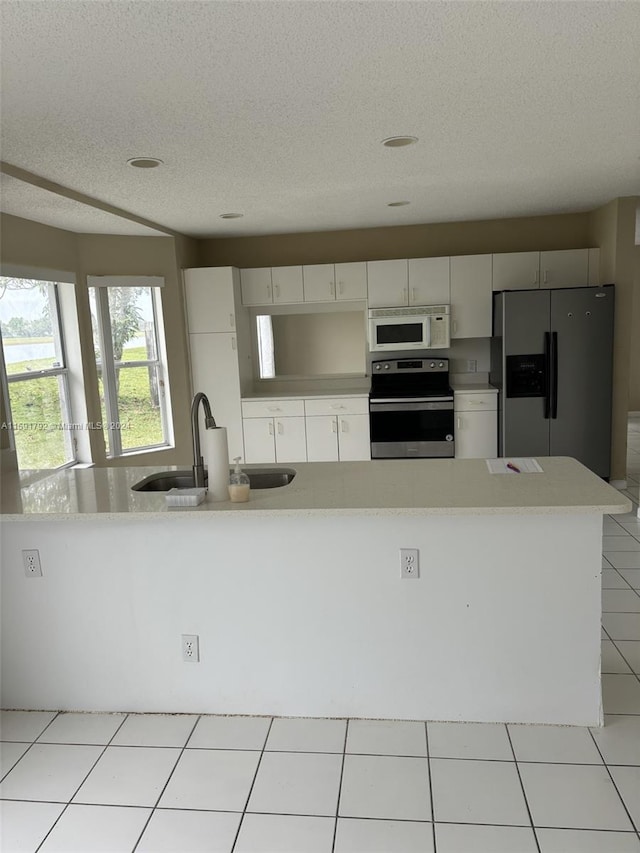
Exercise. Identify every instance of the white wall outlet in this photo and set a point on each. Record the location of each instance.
(472, 365)
(409, 563)
(31, 563)
(190, 648)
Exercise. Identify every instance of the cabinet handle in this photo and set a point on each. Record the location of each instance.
(459, 423)
(535, 277)
(334, 425)
(344, 426)
(232, 321)
(278, 291)
(233, 343)
(454, 326)
(413, 295)
(545, 278)
(274, 408)
(269, 291)
(332, 288)
(341, 286)
(280, 428)
(405, 295)
(337, 406)
(270, 427)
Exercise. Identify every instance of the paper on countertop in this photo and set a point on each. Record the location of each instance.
(526, 466)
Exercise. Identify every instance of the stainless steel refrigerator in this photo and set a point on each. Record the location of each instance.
(551, 358)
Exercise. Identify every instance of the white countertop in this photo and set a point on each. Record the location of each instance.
(382, 487)
(356, 392)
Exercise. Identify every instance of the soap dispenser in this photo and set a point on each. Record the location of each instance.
(238, 484)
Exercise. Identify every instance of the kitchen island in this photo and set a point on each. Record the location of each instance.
(297, 596)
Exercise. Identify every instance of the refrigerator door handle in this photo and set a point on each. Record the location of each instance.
(554, 377)
(547, 378)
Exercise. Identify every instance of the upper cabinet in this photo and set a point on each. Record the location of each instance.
(351, 281)
(319, 282)
(256, 286)
(387, 283)
(210, 299)
(471, 296)
(287, 284)
(429, 281)
(516, 270)
(562, 268)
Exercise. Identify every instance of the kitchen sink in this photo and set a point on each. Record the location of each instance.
(259, 478)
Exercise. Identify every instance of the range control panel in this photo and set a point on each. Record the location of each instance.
(414, 365)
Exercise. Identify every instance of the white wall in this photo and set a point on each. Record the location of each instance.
(307, 616)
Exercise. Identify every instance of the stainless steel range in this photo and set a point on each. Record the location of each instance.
(411, 408)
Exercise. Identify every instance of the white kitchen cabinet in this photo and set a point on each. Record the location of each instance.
(322, 438)
(259, 440)
(476, 424)
(287, 284)
(387, 283)
(337, 429)
(319, 282)
(291, 442)
(256, 286)
(215, 371)
(565, 268)
(429, 281)
(209, 296)
(275, 440)
(471, 294)
(516, 271)
(351, 280)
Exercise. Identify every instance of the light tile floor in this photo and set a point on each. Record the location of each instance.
(118, 783)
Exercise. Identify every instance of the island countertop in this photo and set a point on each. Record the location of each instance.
(423, 487)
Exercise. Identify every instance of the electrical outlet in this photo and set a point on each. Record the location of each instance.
(31, 563)
(409, 563)
(472, 365)
(190, 648)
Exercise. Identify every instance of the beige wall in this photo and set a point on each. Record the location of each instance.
(612, 228)
(566, 231)
(35, 245)
(634, 371)
(319, 344)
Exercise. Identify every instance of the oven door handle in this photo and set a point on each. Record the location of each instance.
(413, 406)
(402, 400)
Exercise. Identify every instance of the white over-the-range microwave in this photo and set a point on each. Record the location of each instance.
(421, 327)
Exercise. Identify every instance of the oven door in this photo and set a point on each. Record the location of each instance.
(411, 427)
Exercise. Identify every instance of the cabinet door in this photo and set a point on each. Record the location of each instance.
(471, 296)
(476, 435)
(259, 440)
(516, 271)
(209, 298)
(322, 438)
(256, 286)
(319, 282)
(351, 280)
(428, 281)
(214, 370)
(387, 283)
(291, 442)
(566, 268)
(353, 438)
(287, 284)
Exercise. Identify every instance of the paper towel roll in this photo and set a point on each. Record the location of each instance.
(215, 452)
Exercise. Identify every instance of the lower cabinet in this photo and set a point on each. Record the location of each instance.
(476, 424)
(320, 429)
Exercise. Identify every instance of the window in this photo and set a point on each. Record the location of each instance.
(36, 372)
(131, 369)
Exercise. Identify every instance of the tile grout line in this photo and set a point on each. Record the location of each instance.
(164, 787)
(32, 743)
(524, 793)
(624, 805)
(344, 755)
(91, 769)
(255, 776)
(433, 813)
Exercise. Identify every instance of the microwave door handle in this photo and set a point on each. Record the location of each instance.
(427, 327)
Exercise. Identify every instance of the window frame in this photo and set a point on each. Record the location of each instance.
(66, 413)
(107, 366)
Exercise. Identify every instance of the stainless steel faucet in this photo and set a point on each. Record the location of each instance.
(209, 422)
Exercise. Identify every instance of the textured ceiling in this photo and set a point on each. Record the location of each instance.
(277, 109)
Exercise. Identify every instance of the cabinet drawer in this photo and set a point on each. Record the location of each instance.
(272, 408)
(475, 401)
(337, 406)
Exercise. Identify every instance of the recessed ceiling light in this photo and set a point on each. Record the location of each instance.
(398, 203)
(144, 162)
(231, 215)
(399, 141)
